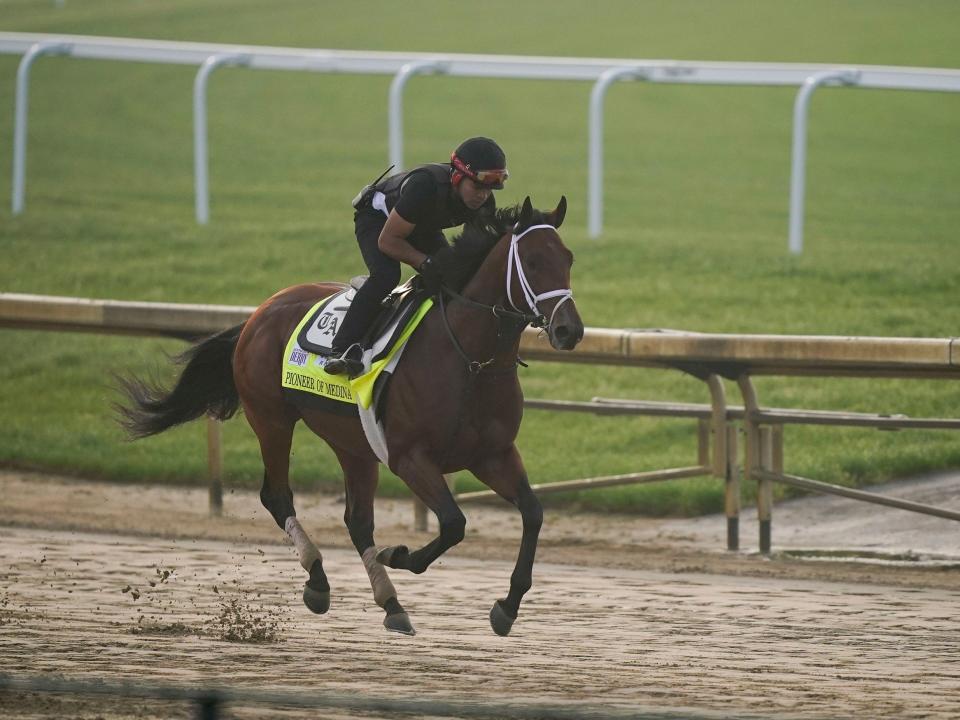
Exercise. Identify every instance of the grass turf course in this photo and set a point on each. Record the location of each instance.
(695, 226)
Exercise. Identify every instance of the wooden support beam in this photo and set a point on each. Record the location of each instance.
(215, 465)
(606, 481)
(876, 498)
(765, 489)
(732, 488)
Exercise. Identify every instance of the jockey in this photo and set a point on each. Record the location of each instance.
(400, 219)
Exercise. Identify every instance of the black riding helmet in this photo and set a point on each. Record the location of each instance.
(481, 159)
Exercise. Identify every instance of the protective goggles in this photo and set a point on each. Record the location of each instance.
(491, 178)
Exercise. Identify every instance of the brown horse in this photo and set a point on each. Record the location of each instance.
(454, 400)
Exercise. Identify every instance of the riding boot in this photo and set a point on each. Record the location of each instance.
(347, 352)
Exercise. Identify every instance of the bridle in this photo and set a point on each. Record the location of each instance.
(515, 319)
(513, 260)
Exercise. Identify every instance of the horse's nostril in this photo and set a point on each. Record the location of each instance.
(562, 333)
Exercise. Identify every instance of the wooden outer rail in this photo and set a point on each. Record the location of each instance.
(733, 355)
(706, 356)
(118, 317)
(698, 353)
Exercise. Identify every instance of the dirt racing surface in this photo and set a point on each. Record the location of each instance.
(130, 583)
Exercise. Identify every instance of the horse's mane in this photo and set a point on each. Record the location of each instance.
(479, 236)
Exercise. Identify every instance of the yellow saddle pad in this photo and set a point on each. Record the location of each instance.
(303, 371)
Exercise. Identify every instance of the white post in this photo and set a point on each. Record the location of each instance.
(595, 169)
(395, 107)
(799, 157)
(200, 160)
(20, 116)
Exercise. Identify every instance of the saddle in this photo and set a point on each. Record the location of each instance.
(317, 334)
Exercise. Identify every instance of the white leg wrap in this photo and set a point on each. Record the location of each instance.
(382, 587)
(305, 548)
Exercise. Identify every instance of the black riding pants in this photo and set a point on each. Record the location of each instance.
(384, 275)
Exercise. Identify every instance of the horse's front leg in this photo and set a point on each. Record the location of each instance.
(504, 473)
(424, 478)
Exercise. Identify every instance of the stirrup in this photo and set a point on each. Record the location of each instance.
(347, 363)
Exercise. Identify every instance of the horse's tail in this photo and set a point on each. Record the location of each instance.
(205, 386)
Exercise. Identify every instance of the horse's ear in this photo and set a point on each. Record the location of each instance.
(555, 217)
(526, 214)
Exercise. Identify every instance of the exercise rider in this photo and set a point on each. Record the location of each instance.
(400, 220)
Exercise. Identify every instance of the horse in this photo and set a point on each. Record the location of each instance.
(454, 401)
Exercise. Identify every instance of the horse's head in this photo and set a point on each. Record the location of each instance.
(538, 275)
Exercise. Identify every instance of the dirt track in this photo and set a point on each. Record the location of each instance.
(652, 622)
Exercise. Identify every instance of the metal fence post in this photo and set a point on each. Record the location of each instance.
(395, 106)
(799, 157)
(209, 705)
(20, 116)
(419, 515)
(200, 155)
(595, 168)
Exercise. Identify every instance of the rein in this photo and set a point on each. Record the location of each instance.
(504, 316)
(513, 322)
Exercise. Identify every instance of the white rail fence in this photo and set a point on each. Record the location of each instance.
(602, 72)
(709, 357)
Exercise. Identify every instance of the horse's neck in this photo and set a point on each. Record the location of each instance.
(488, 284)
(479, 330)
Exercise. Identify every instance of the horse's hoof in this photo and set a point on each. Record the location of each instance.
(317, 601)
(389, 555)
(500, 621)
(399, 623)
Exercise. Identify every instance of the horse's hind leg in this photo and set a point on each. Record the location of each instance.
(504, 473)
(276, 438)
(360, 480)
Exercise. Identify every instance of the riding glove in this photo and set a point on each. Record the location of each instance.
(431, 274)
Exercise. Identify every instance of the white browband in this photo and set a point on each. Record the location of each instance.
(513, 259)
